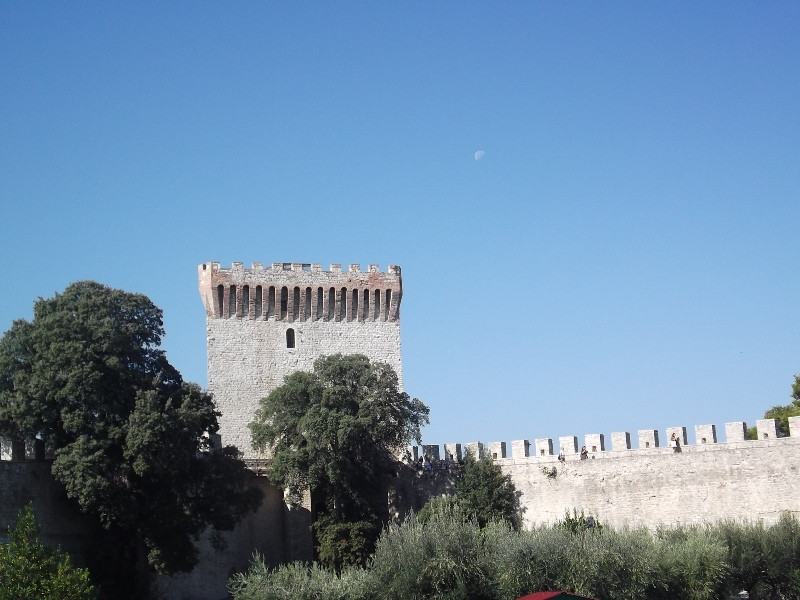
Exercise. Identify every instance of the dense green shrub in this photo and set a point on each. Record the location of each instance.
(344, 544)
(445, 555)
(443, 558)
(763, 560)
(297, 581)
(29, 570)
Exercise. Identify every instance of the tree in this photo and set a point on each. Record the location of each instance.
(782, 412)
(130, 437)
(337, 431)
(482, 493)
(29, 570)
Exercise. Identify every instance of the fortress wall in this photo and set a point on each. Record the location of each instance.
(61, 523)
(652, 485)
(277, 533)
(267, 531)
(752, 480)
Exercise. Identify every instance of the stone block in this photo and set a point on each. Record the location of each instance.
(705, 434)
(595, 442)
(452, 452)
(431, 452)
(680, 435)
(520, 448)
(620, 440)
(794, 426)
(568, 444)
(767, 429)
(648, 438)
(476, 449)
(736, 431)
(497, 450)
(544, 446)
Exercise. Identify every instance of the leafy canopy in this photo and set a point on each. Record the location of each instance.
(483, 494)
(31, 570)
(336, 431)
(88, 376)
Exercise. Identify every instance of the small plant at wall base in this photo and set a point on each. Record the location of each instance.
(29, 569)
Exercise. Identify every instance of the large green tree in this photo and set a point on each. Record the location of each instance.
(131, 439)
(337, 431)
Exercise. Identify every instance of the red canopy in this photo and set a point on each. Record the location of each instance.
(554, 596)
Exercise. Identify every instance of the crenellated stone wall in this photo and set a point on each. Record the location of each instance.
(265, 323)
(655, 484)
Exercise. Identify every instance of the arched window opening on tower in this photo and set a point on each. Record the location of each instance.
(307, 305)
(245, 301)
(284, 302)
(271, 302)
(290, 338)
(220, 300)
(376, 306)
(258, 307)
(354, 316)
(342, 316)
(331, 304)
(296, 304)
(365, 307)
(388, 303)
(318, 311)
(232, 302)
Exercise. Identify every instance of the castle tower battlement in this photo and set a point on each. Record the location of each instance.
(300, 292)
(266, 322)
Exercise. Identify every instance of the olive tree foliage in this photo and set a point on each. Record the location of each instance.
(88, 377)
(337, 430)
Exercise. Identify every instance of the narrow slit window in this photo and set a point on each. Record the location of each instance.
(271, 302)
(307, 306)
(232, 301)
(376, 306)
(342, 316)
(220, 300)
(290, 338)
(318, 311)
(296, 304)
(331, 304)
(284, 302)
(354, 316)
(365, 307)
(246, 301)
(387, 305)
(258, 306)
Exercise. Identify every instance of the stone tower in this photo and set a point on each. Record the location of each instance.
(264, 323)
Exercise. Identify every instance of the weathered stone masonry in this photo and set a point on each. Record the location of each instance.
(650, 486)
(265, 323)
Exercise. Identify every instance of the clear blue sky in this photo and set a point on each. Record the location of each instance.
(622, 256)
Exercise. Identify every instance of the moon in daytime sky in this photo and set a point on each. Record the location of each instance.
(479, 154)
